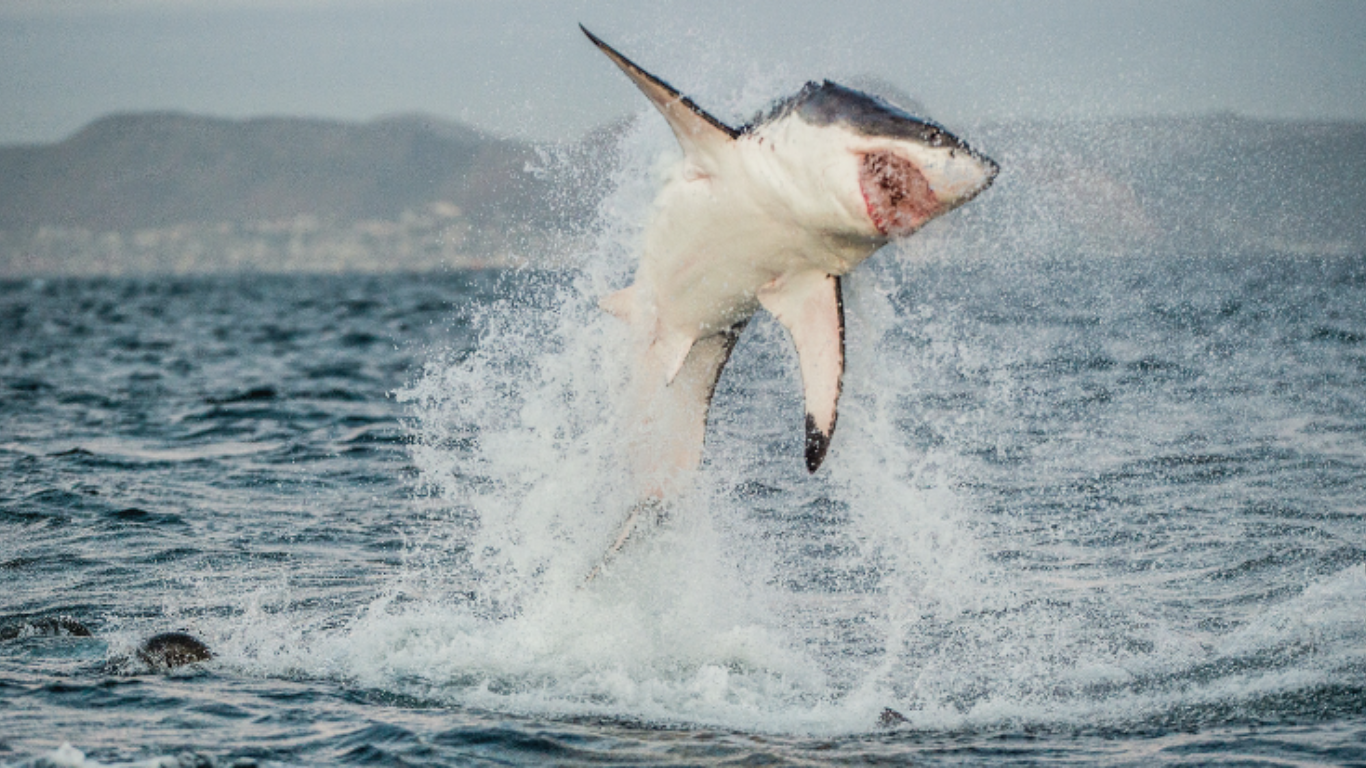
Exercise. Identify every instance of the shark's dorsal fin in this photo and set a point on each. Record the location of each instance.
(811, 308)
(696, 130)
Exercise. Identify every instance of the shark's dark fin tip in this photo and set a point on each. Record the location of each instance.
(817, 442)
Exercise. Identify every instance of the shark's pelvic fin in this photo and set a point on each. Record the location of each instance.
(712, 354)
(621, 303)
(810, 306)
(671, 349)
(678, 416)
(698, 132)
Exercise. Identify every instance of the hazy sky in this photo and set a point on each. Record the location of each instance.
(521, 68)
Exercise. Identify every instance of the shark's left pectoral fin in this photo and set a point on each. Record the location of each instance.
(810, 306)
(698, 132)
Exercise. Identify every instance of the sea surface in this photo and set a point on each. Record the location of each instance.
(1096, 502)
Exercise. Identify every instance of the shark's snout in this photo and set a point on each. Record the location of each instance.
(963, 176)
(992, 166)
(989, 170)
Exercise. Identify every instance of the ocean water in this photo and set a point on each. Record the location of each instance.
(1095, 501)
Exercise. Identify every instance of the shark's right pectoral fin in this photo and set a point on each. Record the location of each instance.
(668, 347)
(810, 306)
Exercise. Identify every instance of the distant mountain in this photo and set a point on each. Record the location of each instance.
(135, 171)
(187, 193)
(182, 193)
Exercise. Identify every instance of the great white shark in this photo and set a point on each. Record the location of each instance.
(772, 214)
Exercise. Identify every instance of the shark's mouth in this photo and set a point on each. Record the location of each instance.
(898, 196)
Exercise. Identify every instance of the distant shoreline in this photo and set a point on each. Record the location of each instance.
(178, 194)
(412, 243)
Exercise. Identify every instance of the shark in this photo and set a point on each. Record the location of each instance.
(770, 215)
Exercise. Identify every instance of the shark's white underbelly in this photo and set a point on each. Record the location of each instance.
(711, 247)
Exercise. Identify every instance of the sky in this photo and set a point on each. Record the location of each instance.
(521, 68)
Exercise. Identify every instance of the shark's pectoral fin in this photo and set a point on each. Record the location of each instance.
(810, 306)
(698, 132)
(667, 347)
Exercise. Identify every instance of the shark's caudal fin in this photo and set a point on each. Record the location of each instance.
(811, 307)
(651, 507)
(696, 130)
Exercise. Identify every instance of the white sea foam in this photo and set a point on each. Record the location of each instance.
(67, 756)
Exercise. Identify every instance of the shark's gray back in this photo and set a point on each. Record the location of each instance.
(830, 103)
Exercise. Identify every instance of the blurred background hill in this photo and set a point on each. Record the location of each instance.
(175, 192)
(181, 193)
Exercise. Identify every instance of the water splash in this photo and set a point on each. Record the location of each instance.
(991, 544)
(766, 598)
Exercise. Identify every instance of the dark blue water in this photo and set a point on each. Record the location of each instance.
(1079, 511)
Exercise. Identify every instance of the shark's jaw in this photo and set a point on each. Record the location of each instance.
(897, 195)
(843, 179)
(909, 169)
(901, 195)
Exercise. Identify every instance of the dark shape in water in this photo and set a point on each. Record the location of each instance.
(48, 626)
(890, 718)
(255, 394)
(169, 650)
